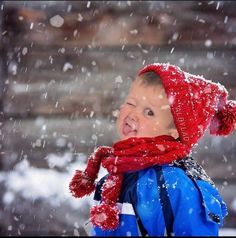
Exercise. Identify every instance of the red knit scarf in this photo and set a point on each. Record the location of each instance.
(129, 155)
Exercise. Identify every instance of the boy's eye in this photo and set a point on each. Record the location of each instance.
(148, 112)
(129, 103)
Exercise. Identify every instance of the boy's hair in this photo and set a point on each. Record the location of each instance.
(198, 104)
(151, 78)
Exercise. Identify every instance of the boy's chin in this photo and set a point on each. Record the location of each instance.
(125, 137)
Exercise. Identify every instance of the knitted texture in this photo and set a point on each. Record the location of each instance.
(196, 103)
(129, 155)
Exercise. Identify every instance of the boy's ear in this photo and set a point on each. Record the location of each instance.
(174, 133)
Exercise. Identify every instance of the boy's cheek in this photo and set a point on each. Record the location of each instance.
(118, 121)
(118, 127)
(121, 109)
(121, 112)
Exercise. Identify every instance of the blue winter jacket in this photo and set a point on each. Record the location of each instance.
(166, 200)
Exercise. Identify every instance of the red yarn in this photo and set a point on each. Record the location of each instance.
(81, 184)
(193, 102)
(111, 188)
(125, 156)
(106, 216)
(139, 153)
(224, 121)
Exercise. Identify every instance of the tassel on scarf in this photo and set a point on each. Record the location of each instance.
(125, 156)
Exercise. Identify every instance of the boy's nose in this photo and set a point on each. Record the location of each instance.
(133, 116)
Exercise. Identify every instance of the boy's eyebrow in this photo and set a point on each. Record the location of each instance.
(152, 104)
(129, 97)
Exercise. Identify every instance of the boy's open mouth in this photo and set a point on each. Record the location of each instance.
(129, 129)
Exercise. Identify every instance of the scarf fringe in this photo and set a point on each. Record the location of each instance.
(105, 216)
(81, 184)
(125, 156)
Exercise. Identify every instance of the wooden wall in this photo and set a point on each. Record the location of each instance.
(67, 65)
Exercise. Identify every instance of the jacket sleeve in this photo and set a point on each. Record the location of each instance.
(127, 219)
(198, 209)
(170, 203)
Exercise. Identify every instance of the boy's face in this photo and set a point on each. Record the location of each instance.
(145, 112)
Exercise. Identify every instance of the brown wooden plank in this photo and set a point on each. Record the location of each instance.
(101, 81)
(99, 94)
(227, 190)
(216, 64)
(35, 139)
(216, 154)
(150, 23)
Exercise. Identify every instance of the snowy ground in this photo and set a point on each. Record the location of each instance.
(51, 185)
(227, 232)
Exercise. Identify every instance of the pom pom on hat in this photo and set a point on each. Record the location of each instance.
(224, 121)
(196, 103)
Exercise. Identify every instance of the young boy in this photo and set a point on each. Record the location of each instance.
(154, 186)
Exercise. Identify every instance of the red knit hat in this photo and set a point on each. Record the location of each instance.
(196, 103)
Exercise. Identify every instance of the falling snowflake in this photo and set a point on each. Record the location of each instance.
(118, 79)
(67, 66)
(208, 43)
(56, 21)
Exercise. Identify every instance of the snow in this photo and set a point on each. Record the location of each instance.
(202, 21)
(181, 60)
(8, 198)
(115, 113)
(160, 147)
(31, 25)
(54, 161)
(61, 142)
(56, 183)
(12, 68)
(76, 233)
(34, 183)
(67, 66)
(56, 21)
(175, 36)
(233, 204)
(91, 114)
(134, 32)
(69, 8)
(62, 50)
(118, 79)
(99, 218)
(227, 232)
(226, 19)
(24, 51)
(80, 17)
(208, 43)
(88, 4)
(75, 32)
(94, 137)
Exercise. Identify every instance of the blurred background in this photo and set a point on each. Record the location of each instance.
(65, 67)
